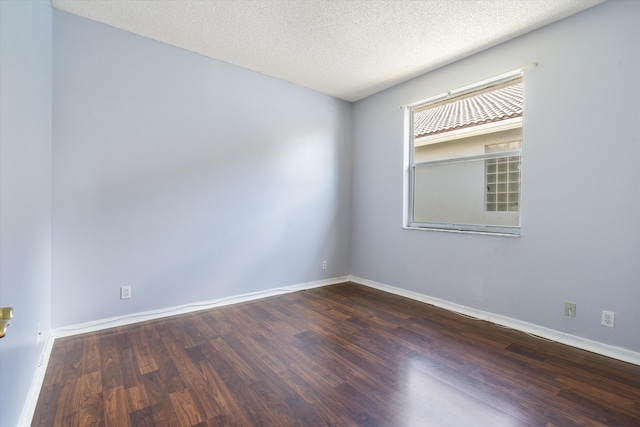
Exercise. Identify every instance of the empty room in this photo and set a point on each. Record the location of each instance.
(319, 213)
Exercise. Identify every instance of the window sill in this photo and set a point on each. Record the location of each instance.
(446, 230)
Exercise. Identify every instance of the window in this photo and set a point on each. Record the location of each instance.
(464, 158)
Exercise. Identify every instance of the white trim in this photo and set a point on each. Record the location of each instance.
(407, 173)
(614, 352)
(129, 319)
(472, 158)
(454, 230)
(29, 407)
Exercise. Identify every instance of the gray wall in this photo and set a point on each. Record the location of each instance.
(186, 178)
(581, 184)
(25, 194)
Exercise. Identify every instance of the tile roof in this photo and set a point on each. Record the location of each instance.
(487, 107)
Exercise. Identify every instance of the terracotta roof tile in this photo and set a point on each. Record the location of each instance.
(493, 106)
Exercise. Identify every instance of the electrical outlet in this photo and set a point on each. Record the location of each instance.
(608, 318)
(125, 292)
(569, 309)
(324, 265)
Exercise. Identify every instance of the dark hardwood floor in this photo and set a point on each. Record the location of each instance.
(342, 355)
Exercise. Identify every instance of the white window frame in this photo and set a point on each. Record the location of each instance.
(409, 164)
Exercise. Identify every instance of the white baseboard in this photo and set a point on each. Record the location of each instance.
(530, 328)
(29, 407)
(129, 319)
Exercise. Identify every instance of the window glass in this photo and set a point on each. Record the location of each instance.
(465, 161)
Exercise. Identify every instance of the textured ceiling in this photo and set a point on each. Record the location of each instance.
(349, 49)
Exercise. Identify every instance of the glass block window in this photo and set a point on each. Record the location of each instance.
(503, 178)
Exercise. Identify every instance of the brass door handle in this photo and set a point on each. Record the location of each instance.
(6, 313)
(3, 327)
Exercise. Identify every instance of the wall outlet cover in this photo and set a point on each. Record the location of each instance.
(125, 292)
(608, 319)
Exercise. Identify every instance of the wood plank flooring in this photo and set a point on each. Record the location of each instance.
(342, 355)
